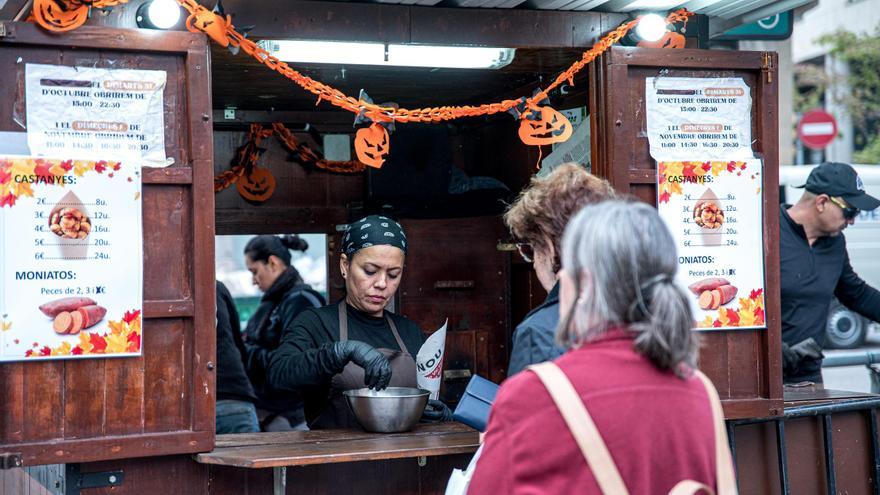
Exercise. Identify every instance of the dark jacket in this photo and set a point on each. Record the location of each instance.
(276, 315)
(232, 379)
(305, 362)
(810, 277)
(534, 340)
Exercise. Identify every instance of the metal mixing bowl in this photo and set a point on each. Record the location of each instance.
(392, 410)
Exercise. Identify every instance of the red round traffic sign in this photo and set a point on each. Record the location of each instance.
(817, 129)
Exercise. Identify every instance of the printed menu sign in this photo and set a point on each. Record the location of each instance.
(714, 211)
(704, 117)
(94, 113)
(71, 273)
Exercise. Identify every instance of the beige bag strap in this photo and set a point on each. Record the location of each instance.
(582, 428)
(725, 478)
(596, 452)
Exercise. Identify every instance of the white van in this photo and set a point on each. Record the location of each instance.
(846, 329)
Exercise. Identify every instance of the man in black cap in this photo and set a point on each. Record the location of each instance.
(815, 266)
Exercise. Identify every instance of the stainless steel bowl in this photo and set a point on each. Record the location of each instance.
(392, 410)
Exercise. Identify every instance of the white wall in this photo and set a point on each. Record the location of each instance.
(786, 91)
(829, 16)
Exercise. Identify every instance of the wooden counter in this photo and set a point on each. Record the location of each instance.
(303, 448)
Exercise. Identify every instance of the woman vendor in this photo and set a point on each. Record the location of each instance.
(354, 343)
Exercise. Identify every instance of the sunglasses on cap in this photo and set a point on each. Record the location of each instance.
(526, 251)
(848, 211)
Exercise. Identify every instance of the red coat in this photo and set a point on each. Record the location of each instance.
(657, 426)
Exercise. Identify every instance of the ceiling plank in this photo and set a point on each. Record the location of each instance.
(10, 9)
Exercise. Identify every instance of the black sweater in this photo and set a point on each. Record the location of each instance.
(303, 362)
(262, 341)
(810, 276)
(232, 380)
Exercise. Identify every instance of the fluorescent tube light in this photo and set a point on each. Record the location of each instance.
(336, 52)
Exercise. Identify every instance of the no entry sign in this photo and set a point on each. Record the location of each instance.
(817, 129)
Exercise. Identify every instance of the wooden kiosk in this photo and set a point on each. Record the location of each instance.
(146, 425)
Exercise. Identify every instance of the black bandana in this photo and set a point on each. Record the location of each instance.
(373, 230)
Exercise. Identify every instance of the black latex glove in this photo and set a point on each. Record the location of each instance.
(790, 359)
(436, 412)
(808, 349)
(793, 356)
(377, 369)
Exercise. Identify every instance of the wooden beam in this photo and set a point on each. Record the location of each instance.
(10, 9)
(413, 24)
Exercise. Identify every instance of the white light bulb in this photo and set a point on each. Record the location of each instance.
(163, 13)
(651, 27)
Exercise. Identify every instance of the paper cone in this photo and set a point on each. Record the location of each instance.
(70, 249)
(710, 236)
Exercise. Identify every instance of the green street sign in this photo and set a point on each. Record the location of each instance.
(775, 27)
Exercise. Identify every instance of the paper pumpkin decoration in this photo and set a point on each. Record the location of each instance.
(669, 40)
(257, 186)
(211, 24)
(544, 125)
(371, 145)
(58, 16)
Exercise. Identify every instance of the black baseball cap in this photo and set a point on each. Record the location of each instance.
(840, 180)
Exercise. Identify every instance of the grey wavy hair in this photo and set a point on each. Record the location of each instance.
(622, 259)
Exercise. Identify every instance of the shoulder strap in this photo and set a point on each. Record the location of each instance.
(596, 452)
(725, 478)
(582, 428)
(396, 334)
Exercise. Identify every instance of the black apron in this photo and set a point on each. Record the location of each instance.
(337, 414)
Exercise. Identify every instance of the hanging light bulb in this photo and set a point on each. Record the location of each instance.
(651, 27)
(158, 14)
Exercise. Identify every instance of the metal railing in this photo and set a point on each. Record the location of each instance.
(823, 411)
(871, 360)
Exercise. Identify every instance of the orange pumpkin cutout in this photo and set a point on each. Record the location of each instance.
(258, 186)
(57, 16)
(549, 127)
(371, 145)
(211, 24)
(669, 40)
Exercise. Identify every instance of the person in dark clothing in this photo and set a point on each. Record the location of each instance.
(356, 342)
(285, 296)
(236, 412)
(815, 267)
(537, 219)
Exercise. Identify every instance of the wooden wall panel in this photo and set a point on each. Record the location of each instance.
(167, 407)
(128, 400)
(84, 379)
(305, 200)
(459, 251)
(167, 216)
(12, 406)
(743, 364)
(69, 411)
(44, 396)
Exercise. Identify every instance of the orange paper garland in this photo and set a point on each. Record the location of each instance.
(66, 15)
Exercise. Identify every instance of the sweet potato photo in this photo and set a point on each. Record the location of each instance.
(52, 308)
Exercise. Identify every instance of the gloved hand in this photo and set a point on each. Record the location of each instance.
(808, 349)
(436, 412)
(793, 356)
(790, 359)
(377, 369)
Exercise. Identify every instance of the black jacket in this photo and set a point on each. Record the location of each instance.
(304, 362)
(534, 340)
(263, 338)
(810, 277)
(232, 379)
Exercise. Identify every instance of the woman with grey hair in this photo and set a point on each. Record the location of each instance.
(626, 396)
